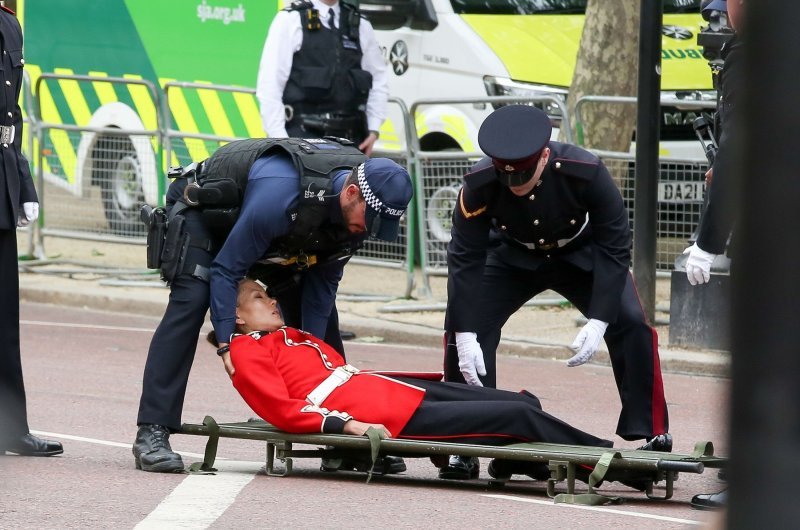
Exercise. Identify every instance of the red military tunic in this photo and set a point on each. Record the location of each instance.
(275, 372)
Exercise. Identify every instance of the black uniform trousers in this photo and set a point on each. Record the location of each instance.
(453, 412)
(172, 348)
(13, 411)
(632, 342)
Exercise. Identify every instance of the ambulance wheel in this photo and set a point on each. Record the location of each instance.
(120, 179)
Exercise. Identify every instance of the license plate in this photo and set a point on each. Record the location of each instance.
(681, 192)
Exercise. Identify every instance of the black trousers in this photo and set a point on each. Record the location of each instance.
(172, 348)
(632, 342)
(13, 410)
(355, 133)
(453, 412)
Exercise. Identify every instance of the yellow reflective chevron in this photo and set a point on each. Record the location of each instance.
(59, 139)
(143, 101)
(74, 97)
(246, 103)
(216, 114)
(105, 92)
(184, 120)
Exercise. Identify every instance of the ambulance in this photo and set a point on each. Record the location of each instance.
(434, 49)
(146, 43)
(451, 49)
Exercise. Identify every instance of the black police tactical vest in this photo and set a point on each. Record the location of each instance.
(326, 73)
(224, 176)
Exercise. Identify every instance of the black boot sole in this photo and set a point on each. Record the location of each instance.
(167, 466)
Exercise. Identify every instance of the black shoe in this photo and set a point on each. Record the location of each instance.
(710, 501)
(503, 469)
(30, 445)
(384, 465)
(461, 468)
(347, 335)
(662, 442)
(152, 451)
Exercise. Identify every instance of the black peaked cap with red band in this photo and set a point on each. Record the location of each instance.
(514, 136)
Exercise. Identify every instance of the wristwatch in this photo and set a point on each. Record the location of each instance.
(223, 350)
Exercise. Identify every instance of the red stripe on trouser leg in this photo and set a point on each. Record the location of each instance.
(659, 404)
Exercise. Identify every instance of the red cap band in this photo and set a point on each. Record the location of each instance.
(518, 165)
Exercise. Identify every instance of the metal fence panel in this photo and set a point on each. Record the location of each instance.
(681, 189)
(107, 205)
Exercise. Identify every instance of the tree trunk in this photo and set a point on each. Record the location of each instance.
(607, 65)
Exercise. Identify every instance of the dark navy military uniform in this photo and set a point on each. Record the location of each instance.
(16, 188)
(570, 233)
(327, 88)
(718, 217)
(270, 201)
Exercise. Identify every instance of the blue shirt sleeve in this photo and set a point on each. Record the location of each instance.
(272, 190)
(319, 295)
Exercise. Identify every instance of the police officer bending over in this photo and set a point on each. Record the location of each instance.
(296, 210)
(537, 215)
(322, 73)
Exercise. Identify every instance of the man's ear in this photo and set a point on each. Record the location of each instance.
(239, 320)
(352, 191)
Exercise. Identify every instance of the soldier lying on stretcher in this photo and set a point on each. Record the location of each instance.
(299, 384)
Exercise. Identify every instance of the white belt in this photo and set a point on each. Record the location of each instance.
(338, 377)
(560, 243)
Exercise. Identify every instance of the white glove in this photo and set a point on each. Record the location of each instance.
(470, 357)
(698, 265)
(587, 342)
(31, 213)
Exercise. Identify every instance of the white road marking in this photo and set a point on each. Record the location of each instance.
(103, 442)
(82, 326)
(196, 502)
(596, 509)
(199, 500)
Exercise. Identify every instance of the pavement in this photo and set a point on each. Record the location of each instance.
(112, 277)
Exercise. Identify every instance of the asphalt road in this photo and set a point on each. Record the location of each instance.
(83, 377)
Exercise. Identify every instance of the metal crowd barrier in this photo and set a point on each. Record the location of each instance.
(681, 184)
(110, 167)
(681, 187)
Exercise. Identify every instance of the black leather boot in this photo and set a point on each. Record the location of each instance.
(461, 468)
(662, 442)
(152, 451)
(30, 445)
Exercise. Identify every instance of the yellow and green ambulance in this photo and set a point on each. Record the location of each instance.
(199, 41)
(434, 49)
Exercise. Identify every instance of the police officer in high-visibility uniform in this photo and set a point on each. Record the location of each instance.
(535, 215)
(322, 73)
(295, 238)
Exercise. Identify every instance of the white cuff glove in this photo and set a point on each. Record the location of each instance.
(587, 342)
(470, 357)
(29, 213)
(698, 265)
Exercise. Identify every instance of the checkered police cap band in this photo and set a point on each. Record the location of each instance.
(371, 199)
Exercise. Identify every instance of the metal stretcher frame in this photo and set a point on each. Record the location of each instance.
(609, 464)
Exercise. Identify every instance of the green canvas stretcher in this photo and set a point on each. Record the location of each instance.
(609, 464)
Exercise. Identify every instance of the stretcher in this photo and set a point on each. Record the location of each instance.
(565, 462)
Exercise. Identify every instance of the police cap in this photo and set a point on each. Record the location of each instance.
(514, 137)
(386, 188)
